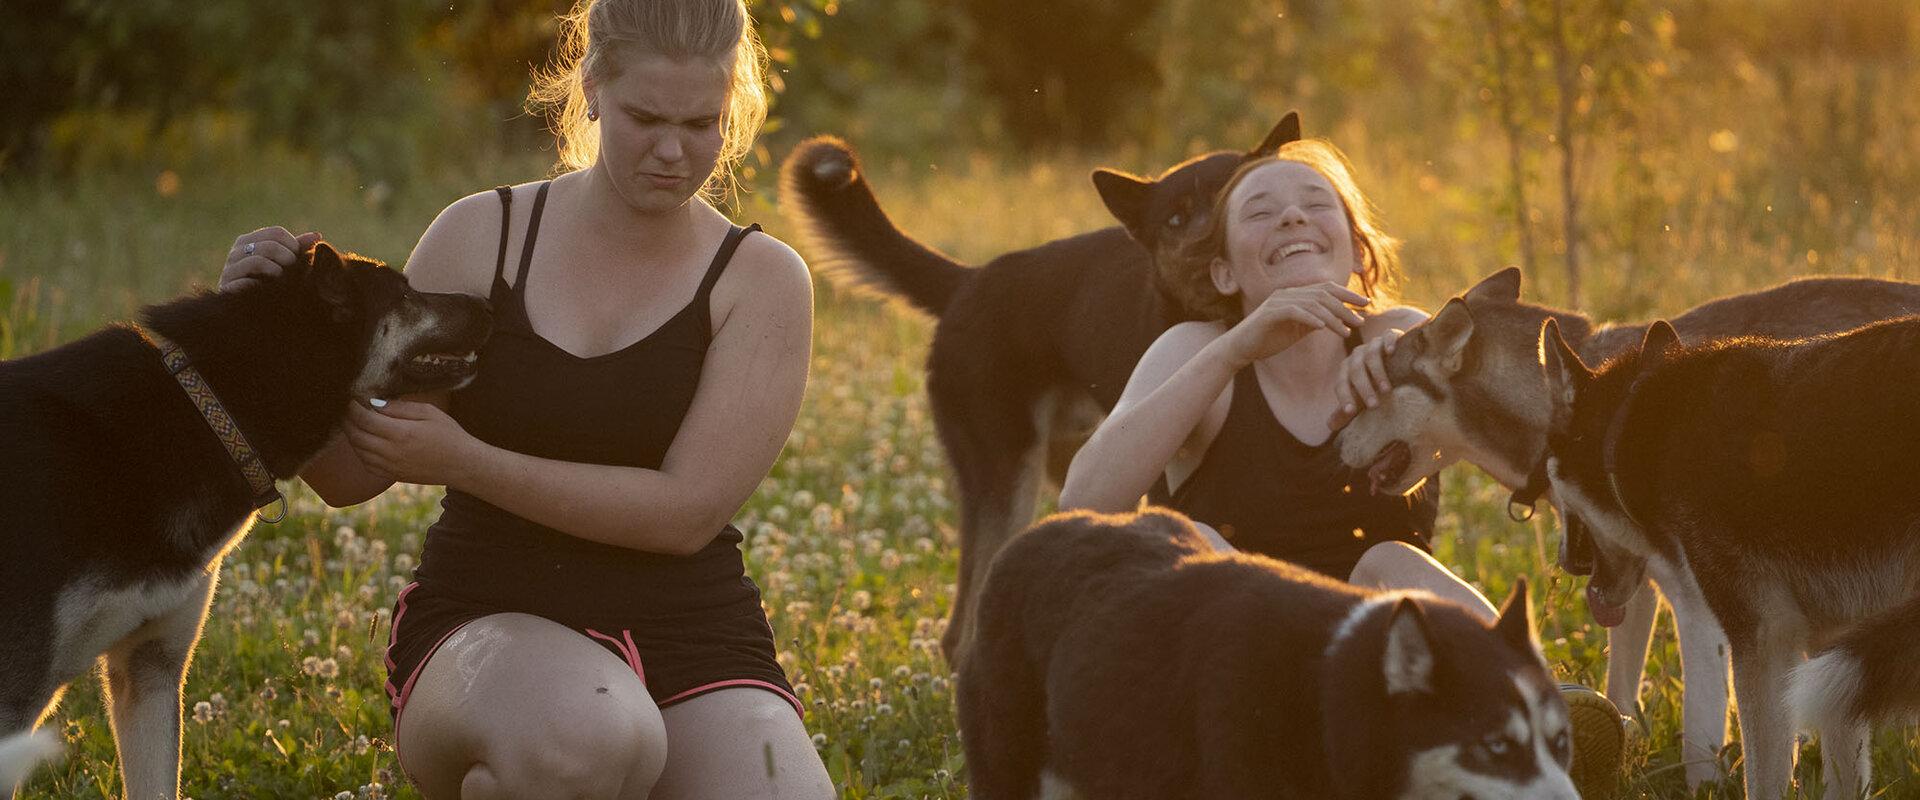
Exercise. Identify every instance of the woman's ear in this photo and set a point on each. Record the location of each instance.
(1222, 273)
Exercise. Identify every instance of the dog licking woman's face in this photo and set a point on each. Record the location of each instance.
(1285, 227)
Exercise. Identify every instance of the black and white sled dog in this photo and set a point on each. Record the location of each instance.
(1467, 384)
(1120, 656)
(1778, 475)
(137, 456)
(1033, 348)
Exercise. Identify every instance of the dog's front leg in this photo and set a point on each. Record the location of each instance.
(1627, 649)
(144, 675)
(1846, 758)
(1760, 669)
(1703, 666)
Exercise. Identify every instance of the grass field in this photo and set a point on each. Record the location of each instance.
(852, 536)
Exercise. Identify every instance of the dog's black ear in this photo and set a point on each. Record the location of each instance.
(1515, 626)
(1408, 663)
(331, 280)
(1566, 373)
(1502, 286)
(1448, 333)
(1125, 195)
(1661, 340)
(1287, 131)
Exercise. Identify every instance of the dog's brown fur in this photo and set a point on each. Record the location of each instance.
(1032, 348)
(1486, 401)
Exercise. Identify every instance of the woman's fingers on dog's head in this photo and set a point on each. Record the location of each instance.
(1375, 361)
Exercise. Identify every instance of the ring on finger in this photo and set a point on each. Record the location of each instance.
(250, 246)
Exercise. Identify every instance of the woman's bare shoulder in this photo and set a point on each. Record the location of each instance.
(764, 270)
(458, 251)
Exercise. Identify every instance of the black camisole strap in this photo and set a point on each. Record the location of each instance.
(506, 222)
(533, 234)
(723, 257)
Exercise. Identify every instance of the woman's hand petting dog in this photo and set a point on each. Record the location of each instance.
(1288, 315)
(1363, 378)
(410, 441)
(262, 254)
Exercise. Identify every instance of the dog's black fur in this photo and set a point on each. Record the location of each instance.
(1031, 348)
(111, 480)
(1122, 654)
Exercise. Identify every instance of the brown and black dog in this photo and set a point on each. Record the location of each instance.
(1031, 349)
(1119, 656)
(133, 461)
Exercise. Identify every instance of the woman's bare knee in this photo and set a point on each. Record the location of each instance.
(1383, 562)
(545, 712)
(1398, 565)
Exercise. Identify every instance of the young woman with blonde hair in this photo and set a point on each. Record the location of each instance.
(581, 624)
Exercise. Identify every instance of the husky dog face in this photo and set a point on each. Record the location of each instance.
(1453, 709)
(1456, 395)
(1603, 538)
(1169, 213)
(414, 341)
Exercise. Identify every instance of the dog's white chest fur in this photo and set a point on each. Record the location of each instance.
(89, 617)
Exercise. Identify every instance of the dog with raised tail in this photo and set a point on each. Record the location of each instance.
(1120, 657)
(1032, 348)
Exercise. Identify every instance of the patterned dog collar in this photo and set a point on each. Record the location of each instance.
(259, 478)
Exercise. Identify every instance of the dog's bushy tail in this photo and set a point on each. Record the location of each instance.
(824, 194)
(1871, 674)
(21, 752)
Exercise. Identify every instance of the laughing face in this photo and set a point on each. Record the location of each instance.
(1286, 227)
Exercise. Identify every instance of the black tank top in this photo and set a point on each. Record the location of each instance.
(1267, 492)
(622, 408)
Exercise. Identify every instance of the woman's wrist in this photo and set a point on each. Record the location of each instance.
(1225, 352)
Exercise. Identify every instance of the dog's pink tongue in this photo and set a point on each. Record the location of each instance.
(1604, 613)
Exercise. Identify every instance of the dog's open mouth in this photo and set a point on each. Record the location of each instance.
(1389, 467)
(441, 367)
(1606, 600)
(1604, 610)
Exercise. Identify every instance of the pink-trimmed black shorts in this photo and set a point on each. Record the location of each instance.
(686, 626)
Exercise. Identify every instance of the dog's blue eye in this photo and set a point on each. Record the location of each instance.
(1176, 220)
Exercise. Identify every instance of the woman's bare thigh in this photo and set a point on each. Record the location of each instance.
(513, 697)
(740, 743)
